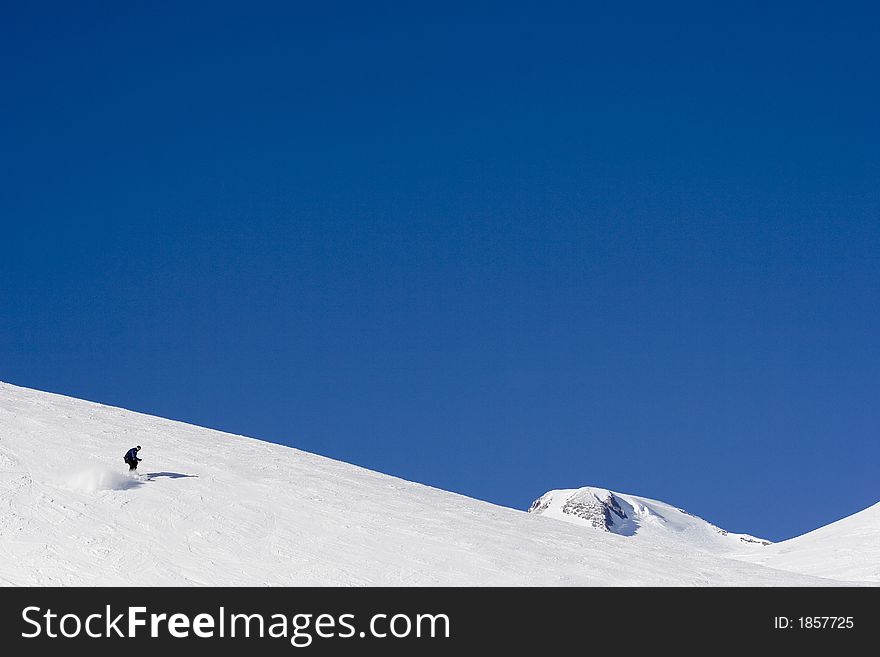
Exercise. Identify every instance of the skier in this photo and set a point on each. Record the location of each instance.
(131, 457)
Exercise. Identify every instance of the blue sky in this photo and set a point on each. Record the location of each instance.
(495, 248)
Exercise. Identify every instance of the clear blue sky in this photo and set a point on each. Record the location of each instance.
(496, 249)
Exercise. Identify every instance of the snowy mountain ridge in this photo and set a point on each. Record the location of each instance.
(848, 549)
(212, 508)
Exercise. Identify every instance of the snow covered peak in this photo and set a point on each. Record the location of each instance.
(596, 507)
(629, 515)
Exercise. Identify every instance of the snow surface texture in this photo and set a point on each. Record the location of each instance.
(211, 508)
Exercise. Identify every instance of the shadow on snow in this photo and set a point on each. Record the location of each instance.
(170, 475)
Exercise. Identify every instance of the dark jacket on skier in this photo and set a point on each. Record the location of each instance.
(131, 457)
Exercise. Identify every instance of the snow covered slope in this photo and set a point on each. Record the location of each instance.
(220, 509)
(641, 517)
(848, 549)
